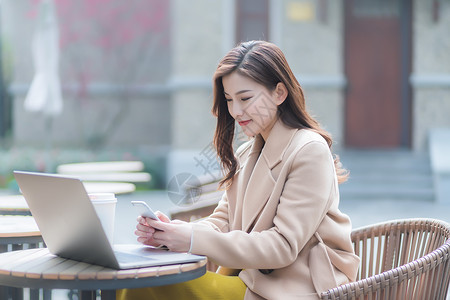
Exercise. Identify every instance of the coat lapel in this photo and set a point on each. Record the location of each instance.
(249, 164)
(242, 177)
(256, 179)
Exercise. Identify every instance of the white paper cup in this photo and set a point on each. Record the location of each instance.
(105, 207)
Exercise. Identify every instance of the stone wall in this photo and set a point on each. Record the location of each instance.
(431, 71)
(196, 35)
(313, 46)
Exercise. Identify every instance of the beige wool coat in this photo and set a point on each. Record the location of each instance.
(279, 221)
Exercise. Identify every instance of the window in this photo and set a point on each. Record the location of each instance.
(252, 20)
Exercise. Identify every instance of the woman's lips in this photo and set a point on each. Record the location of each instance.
(243, 123)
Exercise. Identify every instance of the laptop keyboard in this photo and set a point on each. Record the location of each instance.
(130, 258)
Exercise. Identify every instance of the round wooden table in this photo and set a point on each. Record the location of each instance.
(16, 233)
(18, 230)
(110, 187)
(13, 205)
(37, 268)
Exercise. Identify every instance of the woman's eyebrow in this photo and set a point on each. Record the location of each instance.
(240, 92)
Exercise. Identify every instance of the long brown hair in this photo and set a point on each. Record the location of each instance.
(266, 64)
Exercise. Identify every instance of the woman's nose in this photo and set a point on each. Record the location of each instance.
(237, 108)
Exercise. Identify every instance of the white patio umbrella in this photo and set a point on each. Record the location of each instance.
(45, 91)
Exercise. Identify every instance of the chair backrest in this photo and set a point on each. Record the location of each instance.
(401, 259)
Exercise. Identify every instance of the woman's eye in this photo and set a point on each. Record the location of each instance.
(246, 98)
(228, 100)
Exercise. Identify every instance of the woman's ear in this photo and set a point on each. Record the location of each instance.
(281, 93)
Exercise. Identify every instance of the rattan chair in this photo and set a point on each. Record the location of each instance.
(401, 259)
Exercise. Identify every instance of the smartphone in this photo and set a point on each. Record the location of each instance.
(144, 210)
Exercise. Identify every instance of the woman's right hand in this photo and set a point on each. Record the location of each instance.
(145, 232)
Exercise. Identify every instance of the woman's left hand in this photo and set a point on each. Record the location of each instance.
(175, 235)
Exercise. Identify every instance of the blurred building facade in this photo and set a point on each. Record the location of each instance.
(376, 73)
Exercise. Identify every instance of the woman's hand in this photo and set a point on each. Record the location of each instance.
(145, 232)
(175, 235)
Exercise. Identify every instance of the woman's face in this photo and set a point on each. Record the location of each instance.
(251, 104)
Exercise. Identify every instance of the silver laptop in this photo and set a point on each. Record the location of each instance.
(71, 228)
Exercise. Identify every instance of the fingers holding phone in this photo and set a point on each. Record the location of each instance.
(143, 230)
(144, 210)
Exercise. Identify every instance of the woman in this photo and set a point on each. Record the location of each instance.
(278, 224)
